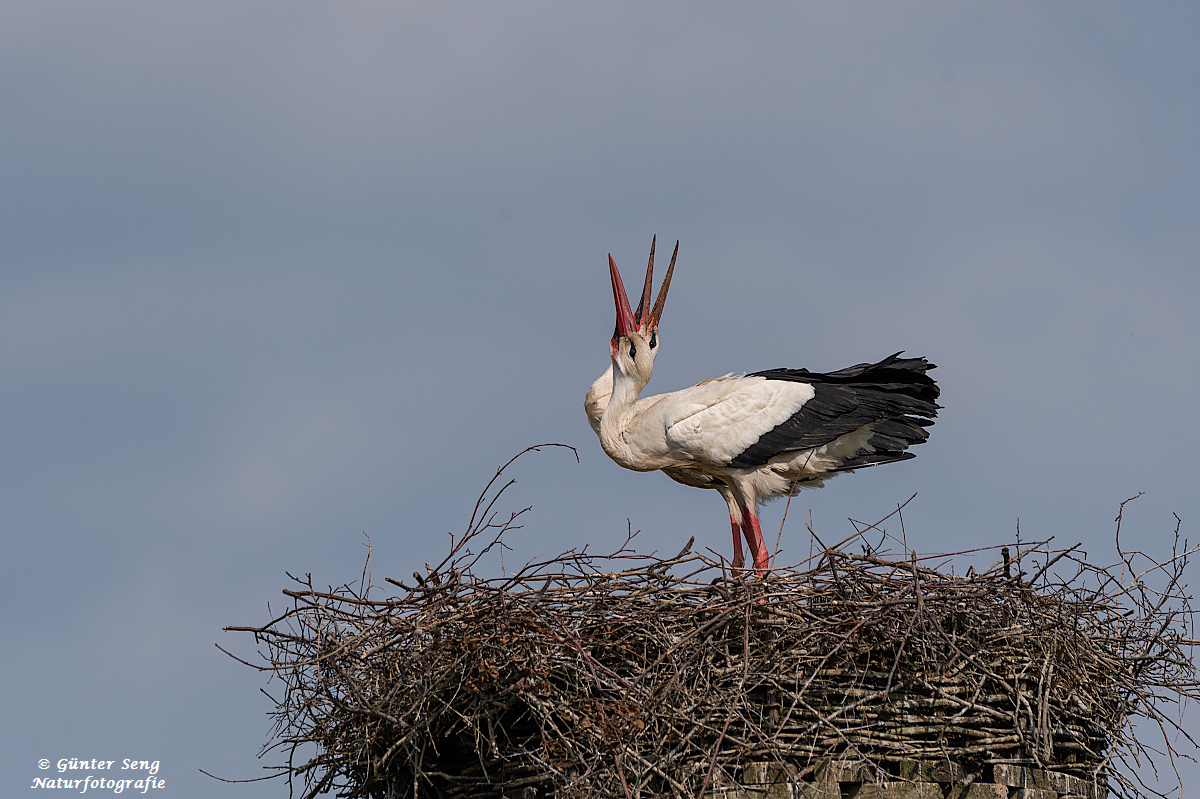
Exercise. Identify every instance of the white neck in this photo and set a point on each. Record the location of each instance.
(617, 418)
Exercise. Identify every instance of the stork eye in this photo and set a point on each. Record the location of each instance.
(632, 350)
(653, 339)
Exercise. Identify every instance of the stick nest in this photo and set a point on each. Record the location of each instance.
(630, 675)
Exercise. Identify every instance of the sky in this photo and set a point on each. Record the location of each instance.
(275, 276)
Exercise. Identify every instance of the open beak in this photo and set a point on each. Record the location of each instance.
(627, 320)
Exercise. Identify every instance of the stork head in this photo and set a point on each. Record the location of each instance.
(635, 341)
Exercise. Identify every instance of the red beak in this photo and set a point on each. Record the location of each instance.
(660, 303)
(625, 323)
(639, 315)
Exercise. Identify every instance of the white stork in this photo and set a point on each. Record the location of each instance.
(752, 437)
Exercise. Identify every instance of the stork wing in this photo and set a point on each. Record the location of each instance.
(716, 421)
(746, 421)
(896, 394)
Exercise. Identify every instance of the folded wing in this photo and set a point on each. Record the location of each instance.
(746, 421)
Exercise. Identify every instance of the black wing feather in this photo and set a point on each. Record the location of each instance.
(896, 394)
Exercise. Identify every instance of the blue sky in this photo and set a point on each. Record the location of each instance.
(273, 276)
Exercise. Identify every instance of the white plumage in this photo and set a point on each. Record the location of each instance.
(751, 437)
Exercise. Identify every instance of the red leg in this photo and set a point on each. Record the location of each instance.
(748, 531)
(738, 559)
(754, 537)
